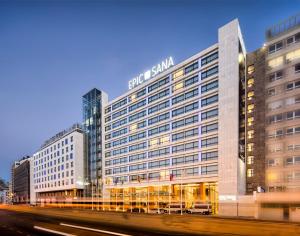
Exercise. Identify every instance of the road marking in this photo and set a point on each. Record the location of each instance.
(95, 230)
(52, 231)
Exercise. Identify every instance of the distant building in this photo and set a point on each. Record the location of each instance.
(21, 181)
(58, 167)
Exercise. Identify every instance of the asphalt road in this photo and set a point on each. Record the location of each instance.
(19, 223)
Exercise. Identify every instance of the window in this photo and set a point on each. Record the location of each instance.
(250, 172)
(137, 116)
(137, 167)
(137, 146)
(191, 67)
(137, 136)
(158, 84)
(157, 164)
(209, 100)
(137, 105)
(208, 156)
(155, 175)
(117, 142)
(158, 107)
(158, 130)
(209, 114)
(119, 123)
(250, 160)
(250, 69)
(209, 142)
(191, 81)
(292, 55)
(185, 96)
(159, 152)
(192, 171)
(275, 62)
(119, 104)
(178, 74)
(158, 96)
(250, 82)
(297, 68)
(275, 47)
(209, 72)
(159, 118)
(275, 76)
(209, 128)
(185, 109)
(210, 86)
(119, 113)
(183, 122)
(137, 157)
(208, 170)
(209, 58)
(250, 95)
(119, 132)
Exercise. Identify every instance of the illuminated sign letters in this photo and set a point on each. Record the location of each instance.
(155, 70)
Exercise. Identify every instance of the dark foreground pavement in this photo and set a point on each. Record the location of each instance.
(21, 223)
(24, 220)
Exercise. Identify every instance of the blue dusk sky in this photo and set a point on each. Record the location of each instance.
(52, 52)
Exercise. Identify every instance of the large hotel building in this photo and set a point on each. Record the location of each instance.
(180, 136)
(211, 129)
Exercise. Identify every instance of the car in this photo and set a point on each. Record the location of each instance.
(200, 208)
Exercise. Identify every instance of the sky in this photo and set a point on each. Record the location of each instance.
(53, 52)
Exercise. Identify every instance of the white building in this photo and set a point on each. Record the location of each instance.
(58, 167)
(177, 134)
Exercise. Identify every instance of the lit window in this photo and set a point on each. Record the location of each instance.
(276, 62)
(178, 86)
(250, 108)
(250, 95)
(165, 139)
(250, 82)
(177, 74)
(133, 97)
(250, 121)
(133, 127)
(250, 147)
(250, 173)
(250, 134)
(153, 142)
(293, 55)
(250, 69)
(250, 160)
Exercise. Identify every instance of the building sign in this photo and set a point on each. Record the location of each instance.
(155, 70)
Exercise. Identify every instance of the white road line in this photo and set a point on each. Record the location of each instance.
(95, 230)
(52, 231)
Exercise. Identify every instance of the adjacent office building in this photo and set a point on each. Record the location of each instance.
(58, 167)
(178, 134)
(93, 103)
(273, 110)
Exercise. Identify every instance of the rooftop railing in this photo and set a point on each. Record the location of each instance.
(283, 27)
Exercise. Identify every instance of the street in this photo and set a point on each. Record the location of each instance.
(25, 220)
(21, 223)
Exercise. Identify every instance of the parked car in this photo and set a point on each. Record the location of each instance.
(175, 208)
(200, 208)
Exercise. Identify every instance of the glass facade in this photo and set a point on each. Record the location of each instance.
(92, 112)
